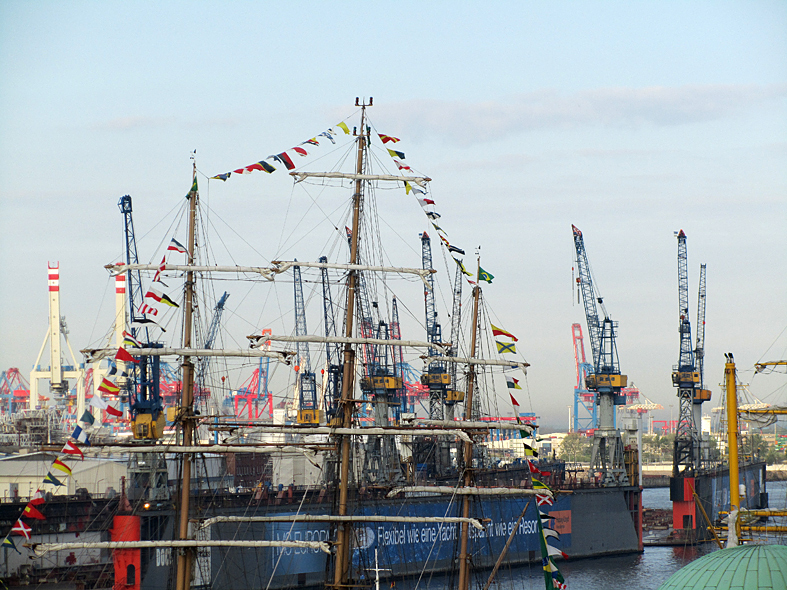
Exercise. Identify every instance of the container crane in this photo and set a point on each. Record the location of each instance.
(307, 386)
(687, 452)
(454, 394)
(606, 379)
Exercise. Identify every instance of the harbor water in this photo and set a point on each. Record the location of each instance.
(645, 571)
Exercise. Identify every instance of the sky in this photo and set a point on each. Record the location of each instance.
(629, 120)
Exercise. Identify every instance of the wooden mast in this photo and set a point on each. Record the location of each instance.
(464, 557)
(342, 564)
(732, 438)
(186, 556)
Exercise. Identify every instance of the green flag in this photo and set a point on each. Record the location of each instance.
(87, 418)
(485, 276)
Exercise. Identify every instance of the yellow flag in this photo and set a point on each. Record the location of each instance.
(504, 347)
(343, 127)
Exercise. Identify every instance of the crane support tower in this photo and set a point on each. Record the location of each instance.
(606, 381)
(307, 386)
(585, 402)
(687, 453)
(57, 372)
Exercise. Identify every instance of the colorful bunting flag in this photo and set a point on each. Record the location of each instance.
(261, 165)
(409, 187)
(462, 266)
(284, 159)
(147, 309)
(60, 466)
(38, 498)
(513, 383)
(343, 127)
(124, 356)
(160, 297)
(222, 177)
(433, 215)
(72, 449)
(328, 135)
(161, 268)
(8, 542)
(395, 154)
(424, 202)
(175, 246)
(484, 276)
(530, 451)
(20, 528)
(114, 412)
(312, 141)
(501, 332)
(387, 138)
(87, 417)
(513, 399)
(51, 479)
(99, 403)
(401, 165)
(543, 500)
(456, 249)
(31, 511)
(80, 435)
(129, 340)
(504, 347)
(142, 321)
(107, 386)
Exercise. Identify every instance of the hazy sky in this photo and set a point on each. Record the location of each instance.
(629, 120)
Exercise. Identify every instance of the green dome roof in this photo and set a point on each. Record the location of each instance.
(748, 567)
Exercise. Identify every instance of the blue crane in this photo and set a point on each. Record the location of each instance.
(606, 379)
(435, 376)
(307, 387)
(144, 395)
(333, 385)
(203, 363)
(686, 456)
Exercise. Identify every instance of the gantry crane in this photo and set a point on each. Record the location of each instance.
(606, 380)
(687, 453)
(203, 363)
(307, 386)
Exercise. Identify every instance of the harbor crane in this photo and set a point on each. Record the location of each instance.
(332, 382)
(585, 407)
(686, 375)
(307, 386)
(606, 380)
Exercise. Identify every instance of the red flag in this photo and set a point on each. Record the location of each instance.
(113, 412)
(501, 332)
(513, 400)
(108, 387)
(300, 151)
(160, 268)
(542, 499)
(71, 449)
(387, 138)
(38, 498)
(33, 512)
(20, 528)
(124, 356)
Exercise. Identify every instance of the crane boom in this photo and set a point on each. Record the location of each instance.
(699, 349)
(605, 379)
